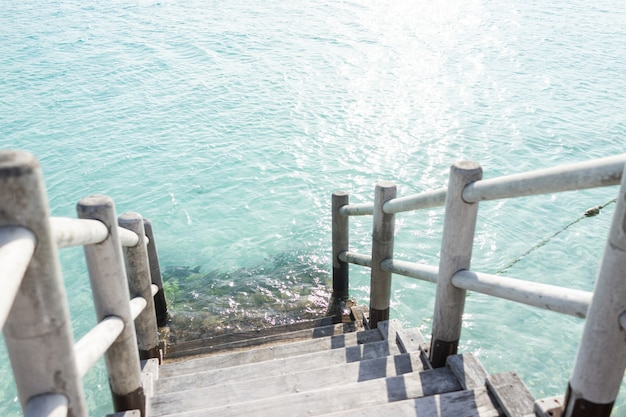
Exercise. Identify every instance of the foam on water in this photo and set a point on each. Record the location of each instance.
(229, 125)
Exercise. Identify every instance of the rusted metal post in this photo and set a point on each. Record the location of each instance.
(456, 253)
(601, 357)
(139, 282)
(112, 298)
(38, 332)
(382, 248)
(340, 230)
(160, 304)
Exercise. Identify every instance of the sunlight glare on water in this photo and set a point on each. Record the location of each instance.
(230, 124)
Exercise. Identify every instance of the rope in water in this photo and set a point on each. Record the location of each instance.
(593, 211)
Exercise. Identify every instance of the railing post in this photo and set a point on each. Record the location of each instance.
(382, 248)
(601, 357)
(456, 253)
(340, 231)
(112, 298)
(140, 283)
(160, 304)
(38, 331)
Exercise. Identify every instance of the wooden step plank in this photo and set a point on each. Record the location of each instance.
(389, 329)
(149, 373)
(342, 397)
(257, 389)
(261, 332)
(410, 340)
(425, 348)
(360, 315)
(290, 364)
(550, 407)
(150, 366)
(304, 330)
(128, 413)
(467, 403)
(468, 370)
(511, 393)
(270, 352)
(206, 347)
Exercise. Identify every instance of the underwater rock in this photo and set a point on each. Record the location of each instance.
(284, 289)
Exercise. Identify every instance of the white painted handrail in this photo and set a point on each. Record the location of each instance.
(422, 272)
(549, 297)
(356, 258)
(47, 405)
(601, 358)
(77, 232)
(411, 269)
(428, 199)
(34, 314)
(17, 245)
(589, 174)
(363, 209)
(96, 342)
(70, 232)
(137, 305)
(128, 238)
(93, 345)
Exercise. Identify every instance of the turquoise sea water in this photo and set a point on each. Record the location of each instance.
(229, 125)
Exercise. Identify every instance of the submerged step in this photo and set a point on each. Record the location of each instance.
(307, 380)
(313, 329)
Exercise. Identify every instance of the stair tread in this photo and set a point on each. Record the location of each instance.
(272, 351)
(301, 330)
(466, 403)
(306, 380)
(319, 359)
(298, 382)
(342, 397)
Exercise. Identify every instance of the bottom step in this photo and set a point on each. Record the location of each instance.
(342, 397)
(470, 403)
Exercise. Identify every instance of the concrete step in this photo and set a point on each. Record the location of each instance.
(346, 396)
(283, 350)
(308, 380)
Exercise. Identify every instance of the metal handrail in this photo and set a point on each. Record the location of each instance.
(594, 383)
(563, 300)
(589, 174)
(70, 232)
(17, 245)
(596, 173)
(123, 269)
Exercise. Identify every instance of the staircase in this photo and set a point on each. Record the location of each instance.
(341, 369)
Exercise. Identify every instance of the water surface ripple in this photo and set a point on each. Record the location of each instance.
(229, 125)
